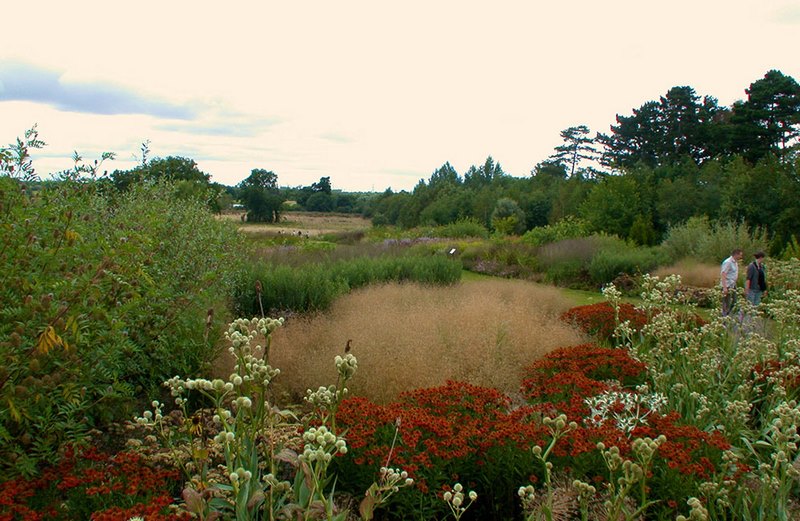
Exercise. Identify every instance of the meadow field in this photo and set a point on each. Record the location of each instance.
(304, 224)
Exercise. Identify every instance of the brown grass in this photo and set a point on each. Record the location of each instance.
(304, 223)
(692, 273)
(408, 336)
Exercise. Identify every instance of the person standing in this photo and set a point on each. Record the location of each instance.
(755, 286)
(729, 274)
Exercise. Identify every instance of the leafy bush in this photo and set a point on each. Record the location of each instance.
(609, 263)
(101, 298)
(455, 431)
(501, 258)
(566, 262)
(705, 241)
(567, 228)
(792, 249)
(462, 228)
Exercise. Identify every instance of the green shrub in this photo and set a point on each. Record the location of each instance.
(569, 273)
(567, 228)
(102, 298)
(462, 228)
(609, 263)
(705, 241)
(791, 250)
(501, 258)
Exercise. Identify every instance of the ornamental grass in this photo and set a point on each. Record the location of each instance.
(408, 336)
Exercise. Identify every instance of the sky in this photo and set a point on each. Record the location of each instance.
(372, 94)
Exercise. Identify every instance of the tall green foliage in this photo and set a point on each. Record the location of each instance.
(265, 288)
(707, 241)
(101, 298)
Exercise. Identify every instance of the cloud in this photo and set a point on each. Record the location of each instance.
(336, 137)
(25, 82)
(225, 128)
(223, 123)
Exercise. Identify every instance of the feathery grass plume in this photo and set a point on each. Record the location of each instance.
(692, 273)
(408, 336)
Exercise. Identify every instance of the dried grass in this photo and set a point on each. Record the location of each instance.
(692, 273)
(408, 336)
(303, 224)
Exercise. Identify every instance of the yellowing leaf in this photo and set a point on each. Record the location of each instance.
(199, 454)
(48, 339)
(71, 236)
(14, 412)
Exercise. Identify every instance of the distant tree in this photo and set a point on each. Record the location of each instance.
(450, 206)
(537, 207)
(323, 186)
(577, 148)
(319, 202)
(661, 132)
(769, 120)
(445, 175)
(483, 175)
(260, 195)
(345, 202)
(507, 217)
(546, 173)
(613, 205)
(171, 168)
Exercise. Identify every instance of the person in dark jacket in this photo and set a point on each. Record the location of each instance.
(755, 286)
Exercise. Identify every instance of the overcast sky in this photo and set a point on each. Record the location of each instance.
(373, 94)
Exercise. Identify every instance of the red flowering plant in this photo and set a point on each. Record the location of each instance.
(604, 391)
(600, 320)
(93, 485)
(580, 371)
(455, 432)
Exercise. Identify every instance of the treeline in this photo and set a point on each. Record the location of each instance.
(672, 159)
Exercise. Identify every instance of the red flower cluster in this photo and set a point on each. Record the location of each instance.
(599, 319)
(458, 428)
(570, 374)
(770, 368)
(92, 485)
(560, 382)
(457, 421)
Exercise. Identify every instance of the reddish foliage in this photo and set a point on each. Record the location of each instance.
(89, 484)
(762, 372)
(599, 319)
(579, 371)
(559, 383)
(464, 422)
(457, 421)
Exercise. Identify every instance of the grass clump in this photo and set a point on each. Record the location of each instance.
(313, 287)
(479, 332)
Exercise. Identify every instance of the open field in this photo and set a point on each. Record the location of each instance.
(304, 223)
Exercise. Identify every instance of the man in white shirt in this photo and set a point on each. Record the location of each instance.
(729, 274)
